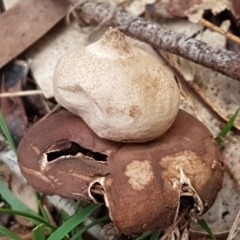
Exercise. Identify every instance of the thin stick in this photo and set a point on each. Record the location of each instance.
(207, 101)
(225, 62)
(21, 93)
(235, 228)
(175, 224)
(215, 28)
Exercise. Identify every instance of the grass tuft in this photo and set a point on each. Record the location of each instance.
(226, 129)
(205, 226)
(6, 133)
(9, 234)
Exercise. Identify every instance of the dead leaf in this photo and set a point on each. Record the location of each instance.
(13, 77)
(235, 8)
(25, 23)
(45, 53)
(193, 9)
(21, 190)
(9, 3)
(25, 194)
(137, 7)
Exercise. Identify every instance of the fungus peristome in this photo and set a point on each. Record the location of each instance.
(143, 183)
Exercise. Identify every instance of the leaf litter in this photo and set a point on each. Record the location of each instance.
(222, 92)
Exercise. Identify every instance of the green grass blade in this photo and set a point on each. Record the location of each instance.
(76, 210)
(9, 234)
(77, 207)
(205, 226)
(226, 128)
(42, 210)
(15, 204)
(37, 219)
(155, 236)
(83, 230)
(6, 133)
(40, 205)
(18, 207)
(38, 232)
(73, 222)
(64, 215)
(144, 235)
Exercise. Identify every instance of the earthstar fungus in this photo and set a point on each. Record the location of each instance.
(123, 141)
(145, 185)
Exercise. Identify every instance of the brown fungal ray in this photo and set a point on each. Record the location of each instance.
(141, 182)
(143, 190)
(61, 155)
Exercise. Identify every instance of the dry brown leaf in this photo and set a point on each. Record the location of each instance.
(134, 7)
(235, 7)
(46, 52)
(9, 3)
(25, 194)
(137, 7)
(13, 77)
(21, 190)
(25, 23)
(192, 9)
(196, 236)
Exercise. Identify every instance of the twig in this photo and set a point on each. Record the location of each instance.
(21, 93)
(207, 101)
(225, 62)
(215, 28)
(235, 228)
(175, 224)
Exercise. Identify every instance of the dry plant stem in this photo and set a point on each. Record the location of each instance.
(207, 101)
(50, 216)
(21, 93)
(215, 28)
(235, 228)
(175, 224)
(225, 62)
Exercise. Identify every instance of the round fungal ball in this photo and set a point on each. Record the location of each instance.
(122, 92)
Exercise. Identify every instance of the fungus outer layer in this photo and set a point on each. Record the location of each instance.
(145, 185)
